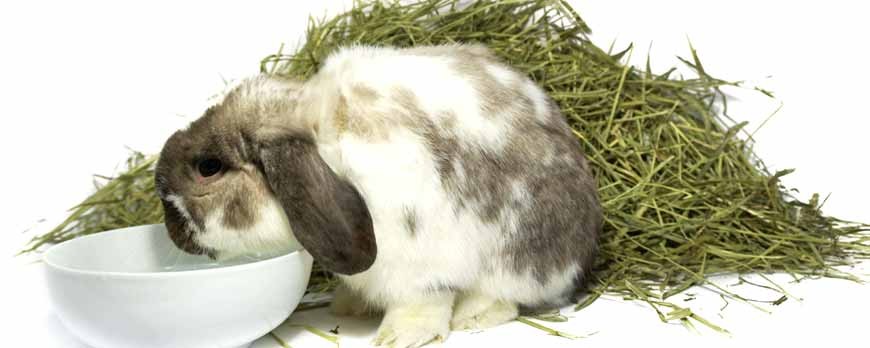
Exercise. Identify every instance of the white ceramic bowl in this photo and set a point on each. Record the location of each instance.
(118, 289)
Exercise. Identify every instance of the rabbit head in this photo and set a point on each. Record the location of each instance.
(246, 177)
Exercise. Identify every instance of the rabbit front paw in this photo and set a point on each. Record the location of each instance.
(416, 324)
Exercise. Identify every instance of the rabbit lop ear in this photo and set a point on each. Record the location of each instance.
(327, 214)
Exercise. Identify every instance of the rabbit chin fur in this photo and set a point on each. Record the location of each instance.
(428, 243)
(269, 235)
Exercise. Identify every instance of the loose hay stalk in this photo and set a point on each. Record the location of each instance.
(684, 196)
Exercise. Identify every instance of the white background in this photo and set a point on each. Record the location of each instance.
(82, 82)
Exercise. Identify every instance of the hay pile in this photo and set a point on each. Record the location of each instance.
(684, 196)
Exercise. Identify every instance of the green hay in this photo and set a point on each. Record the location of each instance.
(684, 197)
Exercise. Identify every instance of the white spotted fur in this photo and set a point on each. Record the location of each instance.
(451, 246)
(402, 172)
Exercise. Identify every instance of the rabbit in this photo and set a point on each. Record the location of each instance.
(444, 188)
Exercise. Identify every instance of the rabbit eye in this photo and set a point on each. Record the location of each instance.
(209, 167)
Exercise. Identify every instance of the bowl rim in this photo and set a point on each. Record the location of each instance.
(47, 259)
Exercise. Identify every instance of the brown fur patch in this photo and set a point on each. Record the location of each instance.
(244, 199)
(341, 117)
(498, 99)
(356, 113)
(364, 93)
(409, 218)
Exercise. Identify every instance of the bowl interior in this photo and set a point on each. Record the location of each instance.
(139, 249)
